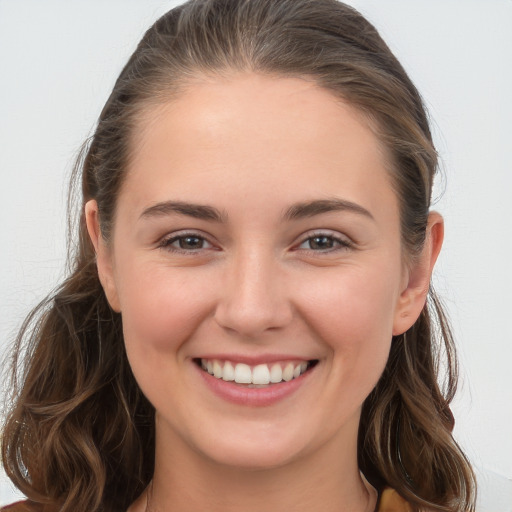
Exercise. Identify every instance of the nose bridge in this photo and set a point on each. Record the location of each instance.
(254, 298)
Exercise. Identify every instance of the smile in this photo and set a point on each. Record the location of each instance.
(257, 375)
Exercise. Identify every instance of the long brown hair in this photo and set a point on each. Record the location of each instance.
(80, 433)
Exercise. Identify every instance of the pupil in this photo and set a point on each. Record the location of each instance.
(321, 242)
(191, 242)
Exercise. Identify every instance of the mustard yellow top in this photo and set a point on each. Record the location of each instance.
(391, 501)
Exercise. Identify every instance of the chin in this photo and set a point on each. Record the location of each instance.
(256, 457)
(253, 447)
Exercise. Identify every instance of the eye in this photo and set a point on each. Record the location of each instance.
(324, 242)
(186, 242)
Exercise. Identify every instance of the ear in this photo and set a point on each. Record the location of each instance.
(417, 282)
(103, 255)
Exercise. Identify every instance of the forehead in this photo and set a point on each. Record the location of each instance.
(255, 132)
(248, 99)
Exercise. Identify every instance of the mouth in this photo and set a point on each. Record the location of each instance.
(255, 376)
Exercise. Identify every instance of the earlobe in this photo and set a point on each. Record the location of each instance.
(103, 255)
(413, 297)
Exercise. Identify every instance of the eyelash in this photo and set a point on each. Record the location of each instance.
(167, 242)
(339, 242)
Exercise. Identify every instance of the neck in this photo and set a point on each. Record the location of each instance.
(327, 480)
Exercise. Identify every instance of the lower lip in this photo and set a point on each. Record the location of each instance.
(253, 397)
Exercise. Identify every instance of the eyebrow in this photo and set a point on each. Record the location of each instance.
(197, 211)
(294, 212)
(317, 207)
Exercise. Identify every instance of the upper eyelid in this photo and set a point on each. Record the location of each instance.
(345, 242)
(176, 235)
(324, 232)
(185, 232)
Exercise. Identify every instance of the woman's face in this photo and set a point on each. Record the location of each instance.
(257, 236)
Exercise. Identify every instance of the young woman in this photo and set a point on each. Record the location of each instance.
(248, 322)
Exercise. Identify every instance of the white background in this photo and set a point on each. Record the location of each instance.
(58, 63)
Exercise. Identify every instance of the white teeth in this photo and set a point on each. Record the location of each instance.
(229, 371)
(217, 369)
(243, 374)
(288, 372)
(259, 375)
(276, 373)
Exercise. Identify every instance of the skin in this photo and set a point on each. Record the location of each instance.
(255, 284)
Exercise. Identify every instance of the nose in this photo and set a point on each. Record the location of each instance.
(254, 297)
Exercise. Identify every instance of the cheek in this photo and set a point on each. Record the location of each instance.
(352, 311)
(161, 308)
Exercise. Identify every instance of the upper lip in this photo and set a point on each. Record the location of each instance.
(253, 360)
